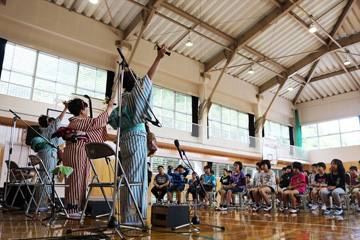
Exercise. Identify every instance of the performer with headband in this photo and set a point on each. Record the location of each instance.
(133, 140)
(86, 130)
(47, 153)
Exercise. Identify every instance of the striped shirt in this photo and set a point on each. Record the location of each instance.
(48, 131)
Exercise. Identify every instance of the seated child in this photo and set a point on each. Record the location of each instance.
(297, 186)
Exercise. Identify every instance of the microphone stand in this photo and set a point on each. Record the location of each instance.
(195, 219)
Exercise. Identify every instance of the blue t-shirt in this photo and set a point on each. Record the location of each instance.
(178, 178)
(211, 179)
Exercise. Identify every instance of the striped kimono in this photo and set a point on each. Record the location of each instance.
(90, 130)
(49, 155)
(133, 148)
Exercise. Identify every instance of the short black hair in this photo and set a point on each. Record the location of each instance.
(248, 175)
(283, 169)
(225, 169)
(129, 83)
(258, 164)
(160, 166)
(43, 121)
(289, 167)
(229, 171)
(353, 168)
(267, 163)
(76, 105)
(149, 164)
(321, 164)
(307, 171)
(298, 165)
(314, 165)
(207, 167)
(239, 164)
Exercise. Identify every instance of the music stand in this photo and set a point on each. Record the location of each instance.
(195, 219)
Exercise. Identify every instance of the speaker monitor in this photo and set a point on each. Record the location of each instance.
(169, 216)
(31, 134)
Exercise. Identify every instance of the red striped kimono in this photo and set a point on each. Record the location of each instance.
(94, 130)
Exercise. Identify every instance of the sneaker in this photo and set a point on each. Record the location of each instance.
(186, 202)
(43, 209)
(338, 212)
(293, 210)
(255, 208)
(327, 212)
(283, 209)
(314, 207)
(219, 208)
(323, 208)
(251, 203)
(310, 205)
(207, 204)
(267, 208)
(224, 208)
(358, 209)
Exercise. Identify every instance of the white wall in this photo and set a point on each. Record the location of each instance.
(331, 108)
(345, 154)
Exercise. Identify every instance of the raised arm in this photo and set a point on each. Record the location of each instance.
(154, 67)
(62, 114)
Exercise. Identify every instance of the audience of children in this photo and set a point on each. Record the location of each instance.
(292, 183)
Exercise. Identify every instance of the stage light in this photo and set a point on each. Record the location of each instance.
(189, 42)
(94, 1)
(347, 62)
(251, 70)
(290, 88)
(312, 28)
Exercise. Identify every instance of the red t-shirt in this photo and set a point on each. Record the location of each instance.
(296, 179)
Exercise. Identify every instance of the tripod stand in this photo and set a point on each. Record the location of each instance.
(195, 219)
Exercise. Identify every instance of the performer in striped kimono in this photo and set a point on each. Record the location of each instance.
(133, 141)
(47, 153)
(87, 130)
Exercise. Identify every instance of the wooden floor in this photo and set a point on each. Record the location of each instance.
(239, 225)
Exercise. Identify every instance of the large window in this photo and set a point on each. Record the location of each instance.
(173, 109)
(166, 162)
(228, 123)
(35, 75)
(337, 133)
(277, 132)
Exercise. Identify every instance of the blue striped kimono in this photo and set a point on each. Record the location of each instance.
(49, 154)
(133, 148)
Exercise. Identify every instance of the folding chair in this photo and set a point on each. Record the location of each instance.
(43, 181)
(101, 152)
(19, 177)
(346, 196)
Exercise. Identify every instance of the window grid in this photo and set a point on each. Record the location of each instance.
(282, 138)
(321, 138)
(169, 113)
(241, 134)
(45, 93)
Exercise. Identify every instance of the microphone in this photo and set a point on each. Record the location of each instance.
(177, 145)
(157, 47)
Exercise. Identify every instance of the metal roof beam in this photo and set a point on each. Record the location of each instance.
(308, 79)
(350, 40)
(258, 28)
(341, 20)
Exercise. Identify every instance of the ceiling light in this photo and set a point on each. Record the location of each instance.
(251, 71)
(94, 1)
(290, 88)
(189, 42)
(347, 62)
(312, 28)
